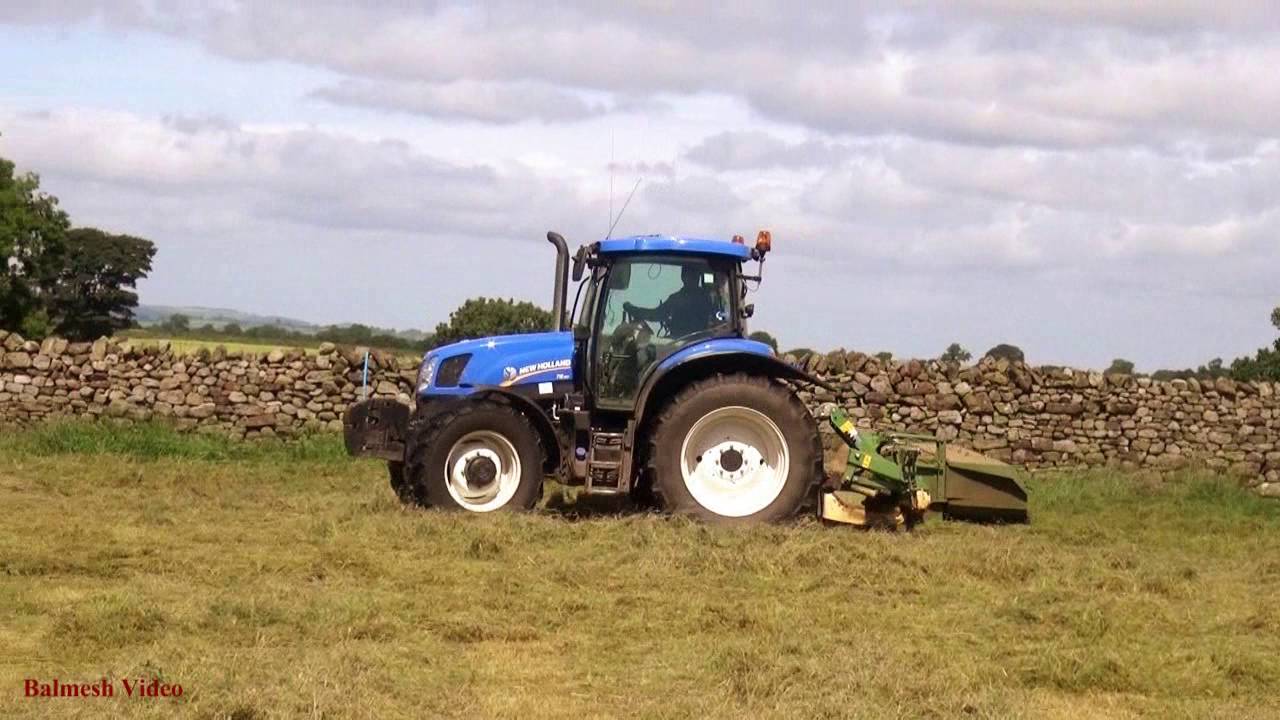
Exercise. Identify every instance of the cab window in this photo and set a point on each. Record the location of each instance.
(653, 306)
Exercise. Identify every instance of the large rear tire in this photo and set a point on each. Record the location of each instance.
(481, 456)
(735, 448)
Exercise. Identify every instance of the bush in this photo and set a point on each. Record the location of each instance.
(956, 353)
(1120, 366)
(1004, 351)
(764, 337)
(1265, 364)
(484, 317)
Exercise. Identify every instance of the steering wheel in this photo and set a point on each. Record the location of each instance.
(623, 338)
(623, 354)
(664, 327)
(628, 317)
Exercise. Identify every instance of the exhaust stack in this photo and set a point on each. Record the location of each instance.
(562, 280)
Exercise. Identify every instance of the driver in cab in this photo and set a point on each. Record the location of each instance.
(688, 310)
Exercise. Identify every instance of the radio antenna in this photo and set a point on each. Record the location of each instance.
(612, 153)
(624, 206)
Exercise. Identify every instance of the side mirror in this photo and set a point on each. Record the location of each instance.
(748, 311)
(579, 263)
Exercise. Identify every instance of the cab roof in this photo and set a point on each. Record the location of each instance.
(672, 243)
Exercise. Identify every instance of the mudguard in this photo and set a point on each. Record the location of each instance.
(720, 355)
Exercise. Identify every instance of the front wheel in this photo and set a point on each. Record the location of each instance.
(480, 457)
(400, 483)
(735, 448)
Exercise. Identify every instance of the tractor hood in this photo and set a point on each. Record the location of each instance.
(505, 360)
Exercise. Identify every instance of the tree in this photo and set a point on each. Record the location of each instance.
(1004, 351)
(1214, 369)
(1119, 366)
(177, 323)
(32, 230)
(91, 293)
(1265, 364)
(764, 337)
(884, 356)
(483, 317)
(955, 353)
(232, 329)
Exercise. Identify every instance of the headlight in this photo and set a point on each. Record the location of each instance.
(426, 372)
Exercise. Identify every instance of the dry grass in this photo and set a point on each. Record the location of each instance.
(190, 346)
(287, 582)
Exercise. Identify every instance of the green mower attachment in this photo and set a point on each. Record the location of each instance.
(892, 479)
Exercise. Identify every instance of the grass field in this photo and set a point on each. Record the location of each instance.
(274, 581)
(189, 346)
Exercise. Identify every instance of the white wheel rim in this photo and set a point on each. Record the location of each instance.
(482, 445)
(735, 461)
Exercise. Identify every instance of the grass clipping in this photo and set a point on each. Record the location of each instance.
(285, 581)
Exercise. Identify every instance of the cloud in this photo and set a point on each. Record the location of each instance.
(753, 150)
(306, 177)
(990, 73)
(500, 103)
(1170, 16)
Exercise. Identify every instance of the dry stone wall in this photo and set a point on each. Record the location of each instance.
(1036, 417)
(1049, 416)
(276, 393)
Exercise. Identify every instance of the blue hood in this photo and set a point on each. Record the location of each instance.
(506, 360)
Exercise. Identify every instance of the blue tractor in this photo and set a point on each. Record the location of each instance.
(647, 385)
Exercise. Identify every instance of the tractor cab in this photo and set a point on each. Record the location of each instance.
(645, 299)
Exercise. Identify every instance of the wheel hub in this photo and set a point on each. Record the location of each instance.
(480, 472)
(730, 462)
(731, 459)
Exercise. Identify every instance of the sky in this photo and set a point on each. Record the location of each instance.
(1087, 181)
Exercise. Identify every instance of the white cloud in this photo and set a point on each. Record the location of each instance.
(308, 177)
(989, 73)
(755, 150)
(465, 99)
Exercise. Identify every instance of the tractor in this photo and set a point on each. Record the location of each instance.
(647, 385)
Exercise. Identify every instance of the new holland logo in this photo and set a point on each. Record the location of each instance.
(511, 376)
(544, 366)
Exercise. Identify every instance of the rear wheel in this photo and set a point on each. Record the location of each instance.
(735, 448)
(480, 457)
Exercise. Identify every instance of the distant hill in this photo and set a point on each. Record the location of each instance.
(148, 315)
(217, 317)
